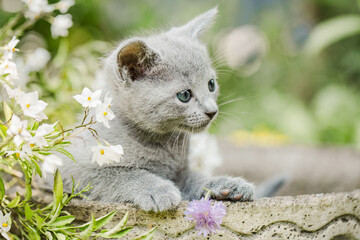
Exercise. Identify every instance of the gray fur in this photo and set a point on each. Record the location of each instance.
(153, 126)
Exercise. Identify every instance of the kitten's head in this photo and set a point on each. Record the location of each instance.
(165, 82)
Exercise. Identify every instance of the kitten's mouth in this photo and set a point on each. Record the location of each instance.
(194, 129)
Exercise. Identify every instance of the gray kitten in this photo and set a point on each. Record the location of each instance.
(163, 88)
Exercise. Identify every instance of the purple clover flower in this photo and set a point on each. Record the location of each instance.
(208, 216)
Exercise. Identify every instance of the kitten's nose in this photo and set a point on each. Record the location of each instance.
(211, 114)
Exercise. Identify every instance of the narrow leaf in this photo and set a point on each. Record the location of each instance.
(28, 211)
(58, 189)
(87, 232)
(100, 222)
(36, 167)
(39, 221)
(118, 226)
(7, 111)
(120, 234)
(2, 189)
(14, 202)
(62, 221)
(66, 153)
(55, 215)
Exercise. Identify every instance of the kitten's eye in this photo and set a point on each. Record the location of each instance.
(184, 96)
(211, 85)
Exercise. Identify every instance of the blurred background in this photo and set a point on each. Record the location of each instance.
(288, 70)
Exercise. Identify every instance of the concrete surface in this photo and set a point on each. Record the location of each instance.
(320, 216)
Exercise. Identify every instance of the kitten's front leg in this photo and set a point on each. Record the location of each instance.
(222, 188)
(137, 186)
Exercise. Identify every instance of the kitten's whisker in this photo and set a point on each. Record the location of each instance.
(232, 121)
(231, 115)
(233, 100)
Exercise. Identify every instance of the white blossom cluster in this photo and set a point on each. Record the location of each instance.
(60, 24)
(30, 106)
(101, 154)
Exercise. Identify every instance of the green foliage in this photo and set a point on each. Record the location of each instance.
(331, 31)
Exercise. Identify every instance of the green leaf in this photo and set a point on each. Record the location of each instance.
(87, 232)
(55, 215)
(28, 211)
(66, 153)
(331, 31)
(100, 222)
(3, 130)
(36, 166)
(58, 190)
(62, 221)
(39, 221)
(2, 189)
(34, 126)
(33, 234)
(60, 236)
(147, 235)
(14, 202)
(7, 111)
(118, 226)
(44, 153)
(120, 234)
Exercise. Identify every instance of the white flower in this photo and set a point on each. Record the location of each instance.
(13, 93)
(9, 69)
(60, 25)
(88, 98)
(37, 59)
(107, 154)
(42, 131)
(64, 5)
(103, 111)
(36, 8)
(18, 153)
(10, 48)
(32, 106)
(18, 130)
(4, 226)
(26, 148)
(51, 162)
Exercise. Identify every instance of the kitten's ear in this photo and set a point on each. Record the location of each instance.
(135, 59)
(199, 24)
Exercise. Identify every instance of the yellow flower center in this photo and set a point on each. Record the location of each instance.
(109, 106)
(89, 98)
(102, 152)
(105, 113)
(13, 49)
(17, 154)
(32, 145)
(27, 105)
(4, 224)
(6, 66)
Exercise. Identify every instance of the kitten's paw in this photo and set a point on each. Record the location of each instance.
(226, 188)
(159, 198)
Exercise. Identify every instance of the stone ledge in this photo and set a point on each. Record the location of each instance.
(320, 216)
